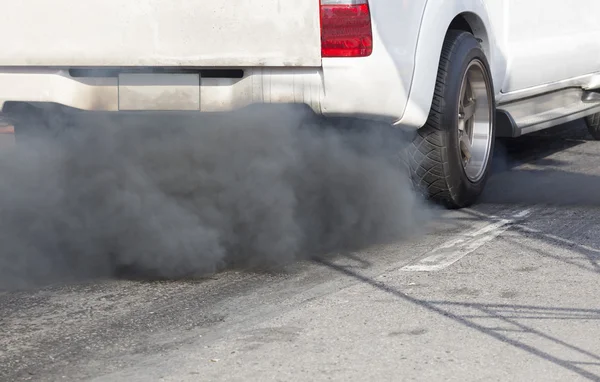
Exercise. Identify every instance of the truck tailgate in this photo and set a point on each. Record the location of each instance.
(160, 33)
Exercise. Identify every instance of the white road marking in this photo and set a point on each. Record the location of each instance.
(455, 249)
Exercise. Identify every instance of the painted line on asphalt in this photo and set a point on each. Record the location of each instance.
(454, 250)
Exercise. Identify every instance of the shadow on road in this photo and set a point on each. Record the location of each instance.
(552, 187)
(589, 259)
(509, 324)
(550, 184)
(586, 258)
(539, 146)
(526, 172)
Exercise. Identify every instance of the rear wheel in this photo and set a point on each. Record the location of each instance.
(593, 125)
(450, 156)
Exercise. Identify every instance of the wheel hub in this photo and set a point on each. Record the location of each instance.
(474, 121)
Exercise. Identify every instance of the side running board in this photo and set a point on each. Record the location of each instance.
(540, 112)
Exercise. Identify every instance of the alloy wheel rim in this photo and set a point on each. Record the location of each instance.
(474, 121)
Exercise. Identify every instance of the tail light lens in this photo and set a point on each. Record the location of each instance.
(346, 28)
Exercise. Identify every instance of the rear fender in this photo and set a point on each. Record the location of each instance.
(435, 23)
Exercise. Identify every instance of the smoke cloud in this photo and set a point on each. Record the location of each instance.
(189, 196)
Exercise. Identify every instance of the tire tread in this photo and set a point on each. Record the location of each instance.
(427, 155)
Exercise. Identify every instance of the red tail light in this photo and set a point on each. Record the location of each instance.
(346, 28)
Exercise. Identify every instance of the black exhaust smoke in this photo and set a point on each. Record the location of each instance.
(186, 197)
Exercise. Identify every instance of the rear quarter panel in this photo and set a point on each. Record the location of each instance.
(436, 18)
(377, 85)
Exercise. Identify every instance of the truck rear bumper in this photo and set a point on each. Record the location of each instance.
(337, 89)
(168, 92)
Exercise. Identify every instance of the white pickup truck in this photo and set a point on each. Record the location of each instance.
(457, 72)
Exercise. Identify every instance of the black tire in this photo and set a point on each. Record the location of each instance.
(435, 158)
(593, 125)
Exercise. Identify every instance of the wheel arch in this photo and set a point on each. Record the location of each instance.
(468, 15)
(472, 23)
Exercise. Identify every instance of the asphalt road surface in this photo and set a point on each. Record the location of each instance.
(508, 290)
